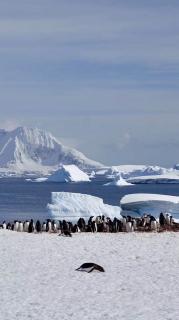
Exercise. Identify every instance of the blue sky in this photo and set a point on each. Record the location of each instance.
(101, 75)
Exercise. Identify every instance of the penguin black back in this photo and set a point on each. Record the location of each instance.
(89, 267)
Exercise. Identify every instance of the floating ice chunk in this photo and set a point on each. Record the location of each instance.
(119, 182)
(150, 203)
(68, 173)
(72, 206)
(163, 178)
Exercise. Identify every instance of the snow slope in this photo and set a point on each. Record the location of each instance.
(39, 281)
(27, 149)
(150, 203)
(72, 206)
(68, 173)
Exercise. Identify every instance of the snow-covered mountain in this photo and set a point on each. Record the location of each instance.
(26, 150)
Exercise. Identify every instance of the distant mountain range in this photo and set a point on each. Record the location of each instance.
(26, 150)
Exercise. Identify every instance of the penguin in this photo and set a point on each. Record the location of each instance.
(4, 225)
(49, 226)
(20, 227)
(44, 226)
(167, 217)
(38, 227)
(78, 229)
(124, 221)
(26, 225)
(134, 224)
(9, 227)
(89, 267)
(129, 227)
(16, 226)
(153, 225)
(31, 226)
(65, 233)
(54, 226)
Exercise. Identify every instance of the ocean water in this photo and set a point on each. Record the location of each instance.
(21, 199)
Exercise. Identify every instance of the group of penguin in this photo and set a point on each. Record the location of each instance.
(94, 224)
(31, 226)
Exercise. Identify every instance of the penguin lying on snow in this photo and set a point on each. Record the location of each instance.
(66, 233)
(89, 267)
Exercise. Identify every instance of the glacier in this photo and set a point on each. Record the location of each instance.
(72, 206)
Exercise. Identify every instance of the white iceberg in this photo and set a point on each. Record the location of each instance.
(72, 206)
(119, 182)
(68, 173)
(150, 203)
(129, 171)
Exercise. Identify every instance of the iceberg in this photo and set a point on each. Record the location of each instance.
(68, 173)
(150, 203)
(72, 206)
(119, 182)
(163, 178)
(129, 171)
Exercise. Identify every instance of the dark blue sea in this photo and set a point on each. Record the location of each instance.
(21, 199)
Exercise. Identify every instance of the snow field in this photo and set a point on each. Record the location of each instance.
(38, 278)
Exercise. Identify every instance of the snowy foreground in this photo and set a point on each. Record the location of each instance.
(38, 278)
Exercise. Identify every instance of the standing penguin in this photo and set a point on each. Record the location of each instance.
(129, 227)
(31, 226)
(4, 225)
(20, 227)
(16, 225)
(38, 226)
(49, 226)
(162, 220)
(44, 226)
(26, 225)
